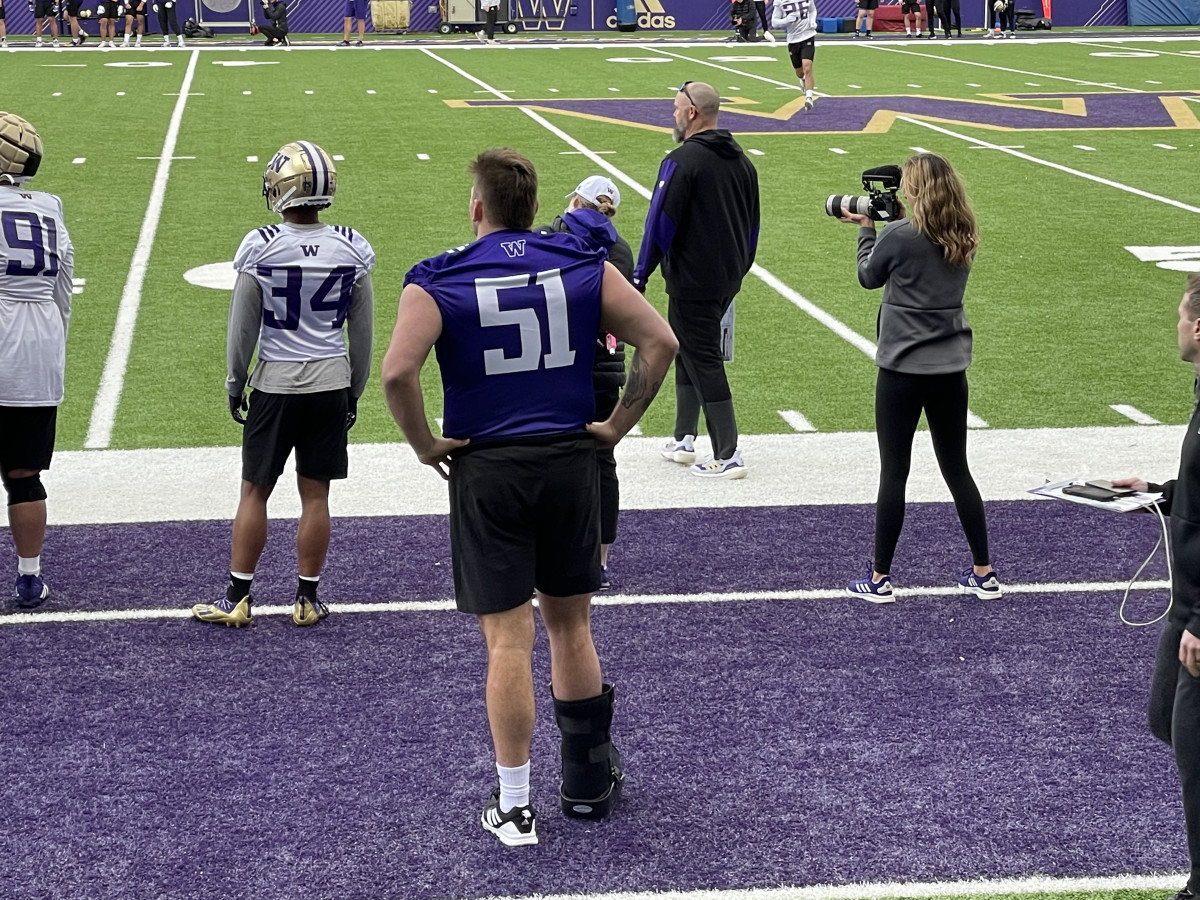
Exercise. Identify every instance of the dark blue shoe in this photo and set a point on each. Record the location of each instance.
(872, 591)
(31, 591)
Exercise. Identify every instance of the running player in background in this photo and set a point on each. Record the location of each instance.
(799, 17)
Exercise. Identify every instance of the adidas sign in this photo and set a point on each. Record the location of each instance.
(651, 14)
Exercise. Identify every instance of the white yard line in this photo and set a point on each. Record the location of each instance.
(894, 889)
(1133, 413)
(979, 142)
(968, 62)
(831, 322)
(446, 605)
(90, 487)
(108, 397)
(792, 85)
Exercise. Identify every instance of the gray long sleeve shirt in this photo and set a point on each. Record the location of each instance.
(922, 329)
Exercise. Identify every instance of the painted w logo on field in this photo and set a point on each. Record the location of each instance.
(513, 248)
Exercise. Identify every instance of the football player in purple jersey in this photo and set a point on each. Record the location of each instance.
(514, 317)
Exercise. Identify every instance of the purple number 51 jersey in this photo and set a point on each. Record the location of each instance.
(520, 313)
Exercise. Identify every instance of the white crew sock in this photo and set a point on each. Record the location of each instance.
(29, 565)
(514, 786)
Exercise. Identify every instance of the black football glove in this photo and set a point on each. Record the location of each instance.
(351, 411)
(238, 407)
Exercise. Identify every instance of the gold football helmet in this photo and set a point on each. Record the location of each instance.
(301, 174)
(20, 149)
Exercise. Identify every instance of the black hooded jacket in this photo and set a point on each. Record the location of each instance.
(1181, 501)
(703, 219)
(608, 370)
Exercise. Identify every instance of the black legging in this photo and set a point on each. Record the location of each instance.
(167, 17)
(489, 22)
(1174, 713)
(899, 399)
(761, 6)
(948, 9)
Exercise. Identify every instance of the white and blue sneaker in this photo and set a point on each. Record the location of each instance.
(683, 452)
(31, 591)
(734, 467)
(872, 591)
(985, 587)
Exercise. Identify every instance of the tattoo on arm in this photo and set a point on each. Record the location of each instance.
(638, 389)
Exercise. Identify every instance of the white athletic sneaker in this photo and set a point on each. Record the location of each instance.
(137, 42)
(515, 828)
(181, 43)
(767, 36)
(125, 43)
(55, 44)
(166, 41)
(809, 101)
(732, 468)
(482, 35)
(38, 44)
(683, 452)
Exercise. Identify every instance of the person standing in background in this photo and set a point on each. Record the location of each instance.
(1174, 708)
(922, 262)
(761, 7)
(702, 227)
(168, 21)
(490, 8)
(304, 298)
(355, 10)
(593, 205)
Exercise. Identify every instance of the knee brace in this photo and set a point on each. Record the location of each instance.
(24, 490)
(591, 765)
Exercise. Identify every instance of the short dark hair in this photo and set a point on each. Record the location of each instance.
(507, 183)
(1191, 294)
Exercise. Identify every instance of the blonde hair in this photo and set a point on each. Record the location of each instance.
(938, 207)
(604, 205)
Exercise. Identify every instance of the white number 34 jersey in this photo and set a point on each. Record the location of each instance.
(307, 275)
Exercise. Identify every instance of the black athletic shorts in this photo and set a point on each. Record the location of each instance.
(868, 4)
(107, 10)
(27, 436)
(908, 7)
(524, 516)
(802, 51)
(312, 424)
(135, 7)
(73, 7)
(1, 13)
(43, 9)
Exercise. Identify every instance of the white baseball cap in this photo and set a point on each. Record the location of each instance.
(596, 186)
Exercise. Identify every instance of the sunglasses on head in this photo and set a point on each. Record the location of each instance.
(684, 90)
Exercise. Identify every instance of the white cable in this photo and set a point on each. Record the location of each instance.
(1164, 540)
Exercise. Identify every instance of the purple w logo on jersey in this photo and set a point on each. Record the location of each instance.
(513, 248)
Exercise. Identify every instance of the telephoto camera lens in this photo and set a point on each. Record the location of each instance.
(851, 203)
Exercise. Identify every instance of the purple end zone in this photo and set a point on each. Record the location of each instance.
(766, 743)
(657, 551)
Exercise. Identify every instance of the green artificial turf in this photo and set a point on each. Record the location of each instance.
(1067, 321)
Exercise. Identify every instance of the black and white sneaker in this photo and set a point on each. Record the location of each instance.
(1185, 894)
(515, 828)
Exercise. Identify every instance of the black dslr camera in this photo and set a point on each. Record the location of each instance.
(881, 202)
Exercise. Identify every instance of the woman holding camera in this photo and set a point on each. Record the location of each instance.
(922, 263)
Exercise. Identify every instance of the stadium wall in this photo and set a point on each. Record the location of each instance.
(658, 17)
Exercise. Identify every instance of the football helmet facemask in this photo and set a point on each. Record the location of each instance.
(20, 149)
(301, 174)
